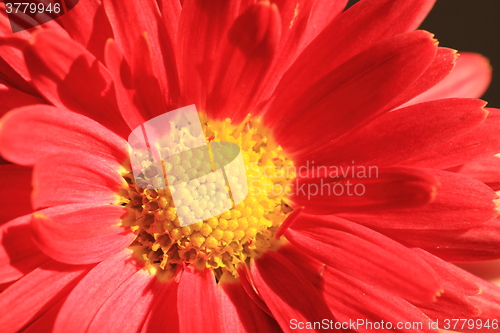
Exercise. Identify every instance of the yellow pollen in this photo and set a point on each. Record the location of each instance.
(227, 240)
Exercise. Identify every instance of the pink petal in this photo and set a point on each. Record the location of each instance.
(88, 297)
(33, 132)
(76, 178)
(33, 295)
(129, 303)
(81, 233)
(197, 294)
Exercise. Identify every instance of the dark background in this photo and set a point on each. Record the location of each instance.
(472, 26)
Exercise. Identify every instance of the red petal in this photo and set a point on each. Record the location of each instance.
(13, 98)
(18, 254)
(336, 44)
(203, 26)
(398, 135)
(378, 189)
(148, 94)
(439, 69)
(366, 255)
(81, 233)
(129, 304)
(312, 269)
(357, 301)
(486, 170)
(33, 295)
(197, 301)
(352, 300)
(470, 78)
(487, 301)
(170, 14)
(13, 64)
(351, 95)
(30, 133)
(11, 78)
(164, 311)
(287, 292)
(121, 73)
(87, 24)
(129, 22)
(456, 288)
(76, 178)
(46, 322)
(256, 32)
(244, 63)
(302, 21)
(478, 144)
(93, 291)
(61, 69)
(246, 283)
(479, 243)
(460, 202)
(15, 185)
(239, 312)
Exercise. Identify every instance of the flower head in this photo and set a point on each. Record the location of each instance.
(366, 156)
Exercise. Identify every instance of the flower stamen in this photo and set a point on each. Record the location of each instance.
(227, 240)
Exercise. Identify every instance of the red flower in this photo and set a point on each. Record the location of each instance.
(351, 92)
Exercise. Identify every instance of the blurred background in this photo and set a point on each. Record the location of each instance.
(469, 25)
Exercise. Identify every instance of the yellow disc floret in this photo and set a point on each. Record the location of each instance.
(220, 242)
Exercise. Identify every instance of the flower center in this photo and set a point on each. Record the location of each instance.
(220, 242)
